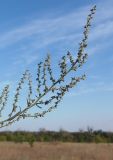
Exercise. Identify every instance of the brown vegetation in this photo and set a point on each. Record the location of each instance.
(56, 151)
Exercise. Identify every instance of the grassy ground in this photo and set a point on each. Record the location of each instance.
(56, 151)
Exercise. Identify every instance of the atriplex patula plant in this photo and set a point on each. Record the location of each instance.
(48, 94)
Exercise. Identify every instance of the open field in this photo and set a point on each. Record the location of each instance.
(55, 151)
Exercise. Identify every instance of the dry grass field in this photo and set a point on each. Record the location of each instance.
(55, 151)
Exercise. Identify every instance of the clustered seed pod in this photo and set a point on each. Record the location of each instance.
(38, 79)
(4, 98)
(48, 60)
(48, 95)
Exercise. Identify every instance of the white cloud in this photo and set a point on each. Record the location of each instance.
(65, 30)
(26, 59)
(96, 87)
(49, 28)
(98, 47)
(102, 30)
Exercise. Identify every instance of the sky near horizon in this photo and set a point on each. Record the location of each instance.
(29, 29)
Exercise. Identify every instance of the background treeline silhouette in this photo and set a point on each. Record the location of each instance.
(98, 136)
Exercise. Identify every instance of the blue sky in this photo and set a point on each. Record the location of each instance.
(31, 29)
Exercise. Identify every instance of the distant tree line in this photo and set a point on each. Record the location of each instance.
(88, 136)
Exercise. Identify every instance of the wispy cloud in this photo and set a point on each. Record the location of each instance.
(99, 47)
(26, 59)
(88, 89)
(53, 29)
(64, 30)
(102, 30)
